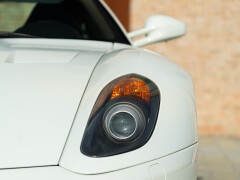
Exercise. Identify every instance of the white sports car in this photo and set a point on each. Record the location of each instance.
(80, 100)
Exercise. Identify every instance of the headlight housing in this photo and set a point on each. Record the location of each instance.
(123, 117)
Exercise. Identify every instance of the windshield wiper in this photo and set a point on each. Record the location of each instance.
(15, 35)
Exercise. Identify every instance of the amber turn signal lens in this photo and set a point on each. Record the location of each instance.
(131, 87)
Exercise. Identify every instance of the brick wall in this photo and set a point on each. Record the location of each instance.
(121, 9)
(210, 52)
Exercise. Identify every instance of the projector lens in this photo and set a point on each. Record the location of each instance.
(124, 122)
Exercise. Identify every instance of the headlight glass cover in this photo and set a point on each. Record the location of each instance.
(123, 117)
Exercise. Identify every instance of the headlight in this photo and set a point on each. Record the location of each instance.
(123, 117)
(124, 122)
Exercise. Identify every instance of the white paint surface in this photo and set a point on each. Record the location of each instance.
(38, 101)
(176, 123)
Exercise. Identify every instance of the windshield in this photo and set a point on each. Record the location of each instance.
(14, 15)
(69, 19)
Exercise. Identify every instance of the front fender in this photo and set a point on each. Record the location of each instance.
(176, 126)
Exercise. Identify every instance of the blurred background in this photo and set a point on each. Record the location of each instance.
(210, 52)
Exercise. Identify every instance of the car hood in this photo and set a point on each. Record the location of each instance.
(41, 85)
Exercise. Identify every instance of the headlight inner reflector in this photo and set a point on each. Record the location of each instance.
(131, 87)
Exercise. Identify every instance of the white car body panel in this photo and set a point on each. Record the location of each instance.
(176, 126)
(40, 96)
(48, 90)
(181, 165)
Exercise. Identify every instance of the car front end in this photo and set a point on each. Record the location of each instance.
(90, 108)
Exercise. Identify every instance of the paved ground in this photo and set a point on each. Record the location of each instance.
(219, 158)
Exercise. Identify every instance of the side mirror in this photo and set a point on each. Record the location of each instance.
(158, 28)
